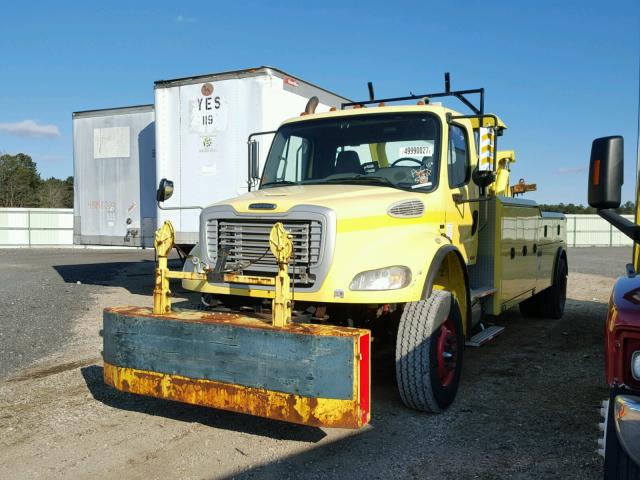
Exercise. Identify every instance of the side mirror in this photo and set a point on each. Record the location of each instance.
(165, 190)
(483, 178)
(254, 159)
(606, 172)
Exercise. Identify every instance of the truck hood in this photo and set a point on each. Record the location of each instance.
(346, 200)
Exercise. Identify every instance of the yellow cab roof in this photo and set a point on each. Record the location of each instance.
(437, 109)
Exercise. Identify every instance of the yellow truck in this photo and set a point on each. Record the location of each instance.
(372, 225)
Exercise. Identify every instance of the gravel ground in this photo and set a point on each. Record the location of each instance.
(527, 406)
(45, 290)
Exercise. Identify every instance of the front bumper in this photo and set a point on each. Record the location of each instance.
(627, 420)
(310, 374)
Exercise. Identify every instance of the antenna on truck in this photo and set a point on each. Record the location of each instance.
(370, 87)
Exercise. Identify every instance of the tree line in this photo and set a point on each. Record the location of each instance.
(570, 208)
(22, 186)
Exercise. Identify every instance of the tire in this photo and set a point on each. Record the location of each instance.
(530, 308)
(553, 299)
(427, 377)
(618, 465)
(550, 302)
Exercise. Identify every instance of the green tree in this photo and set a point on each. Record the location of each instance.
(56, 193)
(19, 181)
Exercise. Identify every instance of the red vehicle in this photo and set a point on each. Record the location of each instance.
(620, 444)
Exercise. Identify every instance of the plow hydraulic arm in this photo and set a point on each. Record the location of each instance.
(281, 246)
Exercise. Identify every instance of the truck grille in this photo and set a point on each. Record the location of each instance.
(247, 245)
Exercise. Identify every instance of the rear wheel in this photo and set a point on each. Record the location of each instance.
(429, 351)
(550, 302)
(554, 298)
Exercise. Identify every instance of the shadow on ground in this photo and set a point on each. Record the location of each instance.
(136, 276)
(528, 407)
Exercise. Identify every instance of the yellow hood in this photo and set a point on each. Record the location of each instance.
(345, 200)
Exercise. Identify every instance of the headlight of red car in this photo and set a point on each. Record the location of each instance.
(635, 365)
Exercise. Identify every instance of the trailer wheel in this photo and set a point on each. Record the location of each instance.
(429, 351)
(553, 299)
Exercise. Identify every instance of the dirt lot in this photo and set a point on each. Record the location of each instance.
(527, 408)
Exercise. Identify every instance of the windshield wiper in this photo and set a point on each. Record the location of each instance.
(363, 179)
(279, 182)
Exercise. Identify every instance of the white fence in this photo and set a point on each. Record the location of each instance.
(593, 230)
(26, 227)
(36, 227)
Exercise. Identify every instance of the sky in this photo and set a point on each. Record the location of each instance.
(559, 74)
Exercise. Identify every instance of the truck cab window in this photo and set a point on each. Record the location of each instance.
(294, 159)
(458, 158)
(387, 150)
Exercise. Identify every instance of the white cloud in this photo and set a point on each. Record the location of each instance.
(30, 128)
(184, 19)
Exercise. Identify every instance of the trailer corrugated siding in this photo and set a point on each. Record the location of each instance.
(114, 176)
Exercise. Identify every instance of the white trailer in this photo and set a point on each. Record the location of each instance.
(202, 127)
(114, 176)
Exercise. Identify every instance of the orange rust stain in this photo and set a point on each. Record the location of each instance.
(234, 319)
(319, 412)
(249, 279)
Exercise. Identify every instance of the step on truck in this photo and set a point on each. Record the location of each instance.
(374, 225)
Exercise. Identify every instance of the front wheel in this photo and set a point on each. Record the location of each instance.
(618, 465)
(429, 351)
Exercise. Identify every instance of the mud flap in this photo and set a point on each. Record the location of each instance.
(309, 374)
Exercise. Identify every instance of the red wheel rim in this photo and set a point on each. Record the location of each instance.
(447, 352)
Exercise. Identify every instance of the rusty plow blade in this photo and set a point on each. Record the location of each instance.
(309, 374)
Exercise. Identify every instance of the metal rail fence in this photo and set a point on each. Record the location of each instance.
(36, 227)
(594, 231)
(27, 227)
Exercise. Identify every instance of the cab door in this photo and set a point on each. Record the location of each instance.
(461, 217)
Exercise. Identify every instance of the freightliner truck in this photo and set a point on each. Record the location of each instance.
(373, 225)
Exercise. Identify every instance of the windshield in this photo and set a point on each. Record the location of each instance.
(393, 150)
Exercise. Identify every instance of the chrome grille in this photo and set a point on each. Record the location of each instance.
(247, 245)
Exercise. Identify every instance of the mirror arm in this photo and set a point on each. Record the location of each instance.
(627, 227)
(457, 198)
(250, 179)
(177, 208)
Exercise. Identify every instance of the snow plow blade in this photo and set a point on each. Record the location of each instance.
(309, 374)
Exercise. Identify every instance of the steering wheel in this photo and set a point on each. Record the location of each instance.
(406, 159)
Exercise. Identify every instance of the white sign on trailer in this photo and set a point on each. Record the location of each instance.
(111, 142)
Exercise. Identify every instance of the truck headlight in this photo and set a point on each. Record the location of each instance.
(635, 364)
(389, 278)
